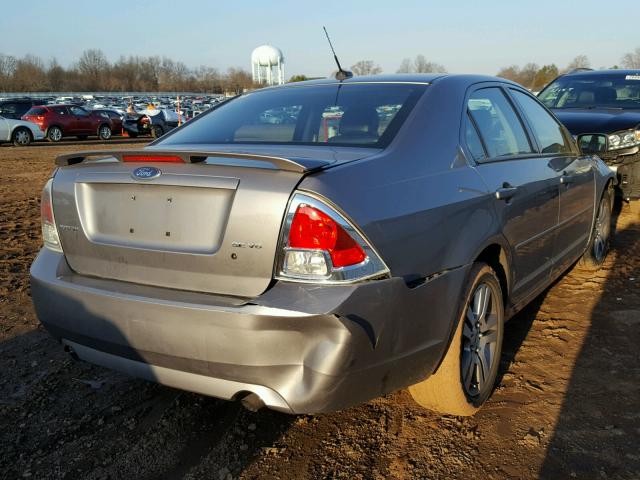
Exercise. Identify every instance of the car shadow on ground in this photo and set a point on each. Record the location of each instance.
(598, 429)
(67, 419)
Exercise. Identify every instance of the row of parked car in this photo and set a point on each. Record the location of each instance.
(25, 120)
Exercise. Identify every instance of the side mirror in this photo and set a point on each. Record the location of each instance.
(593, 143)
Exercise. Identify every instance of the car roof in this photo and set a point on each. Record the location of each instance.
(422, 78)
(602, 73)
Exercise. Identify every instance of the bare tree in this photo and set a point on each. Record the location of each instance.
(29, 74)
(55, 76)
(581, 61)
(405, 66)
(420, 65)
(632, 59)
(7, 69)
(366, 67)
(511, 72)
(92, 66)
(94, 72)
(543, 76)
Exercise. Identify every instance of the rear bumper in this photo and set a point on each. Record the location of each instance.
(301, 349)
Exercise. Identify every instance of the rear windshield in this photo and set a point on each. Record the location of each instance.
(348, 115)
(593, 91)
(36, 111)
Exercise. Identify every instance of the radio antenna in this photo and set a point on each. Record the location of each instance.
(341, 74)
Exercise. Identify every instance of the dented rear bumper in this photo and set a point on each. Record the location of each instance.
(300, 348)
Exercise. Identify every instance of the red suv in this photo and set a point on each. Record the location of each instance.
(59, 121)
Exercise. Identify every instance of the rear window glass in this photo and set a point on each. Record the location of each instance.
(348, 115)
(36, 111)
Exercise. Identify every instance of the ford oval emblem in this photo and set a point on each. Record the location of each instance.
(146, 173)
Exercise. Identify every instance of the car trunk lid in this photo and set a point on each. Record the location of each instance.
(209, 223)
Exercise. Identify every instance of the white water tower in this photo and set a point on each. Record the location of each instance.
(267, 65)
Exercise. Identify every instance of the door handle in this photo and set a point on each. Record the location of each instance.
(566, 179)
(506, 192)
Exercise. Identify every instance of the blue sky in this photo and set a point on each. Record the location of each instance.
(463, 35)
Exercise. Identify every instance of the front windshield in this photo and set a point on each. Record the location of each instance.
(620, 91)
(357, 114)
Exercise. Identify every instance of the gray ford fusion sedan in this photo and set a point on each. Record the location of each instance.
(312, 246)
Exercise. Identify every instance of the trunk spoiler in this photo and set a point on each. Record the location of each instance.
(277, 163)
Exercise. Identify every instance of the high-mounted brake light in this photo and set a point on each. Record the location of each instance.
(152, 158)
(320, 245)
(49, 230)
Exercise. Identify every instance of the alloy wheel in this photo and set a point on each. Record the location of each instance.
(601, 232)
(479, 341)
(55, 134)
(105, 133)
(22, 137)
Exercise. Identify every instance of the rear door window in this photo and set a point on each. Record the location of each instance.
(498, 123)
(80, 112)
(474, 144)
(546, 129)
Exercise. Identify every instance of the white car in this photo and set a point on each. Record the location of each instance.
(19, 132)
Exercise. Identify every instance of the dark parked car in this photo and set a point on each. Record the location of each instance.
(15, 108)
(114, 116)
(156, 125)
(604, 101)
(308, 268)
(59, 121)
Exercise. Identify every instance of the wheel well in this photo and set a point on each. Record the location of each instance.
(22, 127)
(494, 256)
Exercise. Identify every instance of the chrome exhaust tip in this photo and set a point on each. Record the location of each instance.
(252, 402)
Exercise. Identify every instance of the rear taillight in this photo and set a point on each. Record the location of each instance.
(49, 230)
(313, 229)
(319, 244)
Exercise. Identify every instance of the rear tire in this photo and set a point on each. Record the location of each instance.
(156, 131)
(596, 252)
(467, 375)
(21, 137)
(54, 134)
(104, 132)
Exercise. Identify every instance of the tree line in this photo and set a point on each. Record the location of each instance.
(93, 72)
(531, 75)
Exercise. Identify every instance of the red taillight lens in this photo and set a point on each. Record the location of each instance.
(152, 158)
(314, 229)
(50, 236)
(46, 209)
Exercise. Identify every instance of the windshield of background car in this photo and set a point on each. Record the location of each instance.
(593, 91)
(364, 115)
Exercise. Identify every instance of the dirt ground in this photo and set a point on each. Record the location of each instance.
(567, 404)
